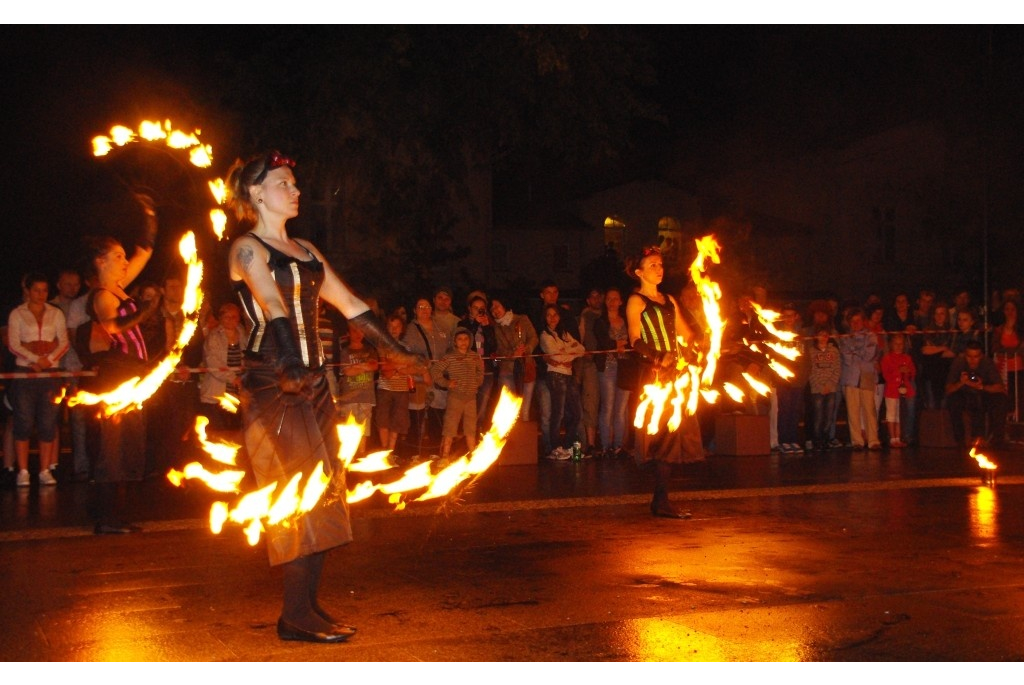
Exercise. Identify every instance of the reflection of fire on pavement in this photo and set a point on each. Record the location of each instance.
(275, 504)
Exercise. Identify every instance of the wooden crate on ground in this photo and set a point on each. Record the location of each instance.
(521, 447)
(741, 434)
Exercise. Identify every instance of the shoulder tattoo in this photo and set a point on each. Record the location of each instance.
(245, 256)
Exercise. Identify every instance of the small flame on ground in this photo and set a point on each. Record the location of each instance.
(983, 461)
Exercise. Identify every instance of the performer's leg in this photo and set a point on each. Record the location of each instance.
(660, 505)
(299, 586)
(316, 568)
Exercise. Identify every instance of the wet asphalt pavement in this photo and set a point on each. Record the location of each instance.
(846, 556)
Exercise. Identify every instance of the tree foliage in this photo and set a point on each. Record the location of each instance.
(393, 123)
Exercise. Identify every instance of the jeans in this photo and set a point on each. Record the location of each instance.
(565, 408)
(544, 411)
(824, 405)
(612, 416)
(790, 403)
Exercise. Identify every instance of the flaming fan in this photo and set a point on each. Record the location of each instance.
(695, 376)
(279, 503)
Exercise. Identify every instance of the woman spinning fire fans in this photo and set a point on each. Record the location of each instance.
(653, 321)
(287, 411)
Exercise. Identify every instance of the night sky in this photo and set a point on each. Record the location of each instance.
(788, 89)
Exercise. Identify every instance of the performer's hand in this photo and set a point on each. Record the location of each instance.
(292, 378)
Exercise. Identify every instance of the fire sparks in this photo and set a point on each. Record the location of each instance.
(681, 389)
(133, 392)
(277, 504)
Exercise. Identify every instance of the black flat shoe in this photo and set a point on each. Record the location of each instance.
(286, 631)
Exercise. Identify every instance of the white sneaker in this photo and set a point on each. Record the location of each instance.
(23, 478)
(46, 478)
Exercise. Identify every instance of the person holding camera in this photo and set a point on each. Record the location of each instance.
(975, 388)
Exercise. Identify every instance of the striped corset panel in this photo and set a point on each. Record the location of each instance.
(299, 284)
(658, 324)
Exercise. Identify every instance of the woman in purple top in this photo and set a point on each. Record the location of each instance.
(115, 347)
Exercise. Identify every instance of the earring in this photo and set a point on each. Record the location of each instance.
(260, 201)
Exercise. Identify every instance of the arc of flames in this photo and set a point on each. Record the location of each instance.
(199, 155)
(132, 393)
(691, 381)
(278, 505)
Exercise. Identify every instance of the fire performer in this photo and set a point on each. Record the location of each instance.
(288, 414)
(653, 320)
(113, 343)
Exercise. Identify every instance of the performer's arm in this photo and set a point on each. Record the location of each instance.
(334, 290)
(248, 262)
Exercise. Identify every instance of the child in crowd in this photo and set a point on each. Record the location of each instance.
(394, 383)
(356, 394)
(825, 364)
(461, 371)
(898, 371)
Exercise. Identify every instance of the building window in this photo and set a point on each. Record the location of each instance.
(614, 228)
(560, 258)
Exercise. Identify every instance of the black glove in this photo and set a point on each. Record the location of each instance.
(292, 373)
(147, 238)
(656, 357)
(138, 316)
(378, 337)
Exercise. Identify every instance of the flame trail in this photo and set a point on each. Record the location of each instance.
(131, 394)
(272, 505)
(199, 155)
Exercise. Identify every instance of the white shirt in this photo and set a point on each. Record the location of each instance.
(23, 327)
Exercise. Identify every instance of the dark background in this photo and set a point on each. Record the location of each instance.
(554, 112)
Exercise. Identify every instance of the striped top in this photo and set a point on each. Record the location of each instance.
(466, 371)
(658, 324)
(299, 283)
(128, 341)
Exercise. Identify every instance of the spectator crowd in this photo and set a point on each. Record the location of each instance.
(877, 367)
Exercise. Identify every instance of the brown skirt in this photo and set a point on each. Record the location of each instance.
(288, 434)
(683, 445)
